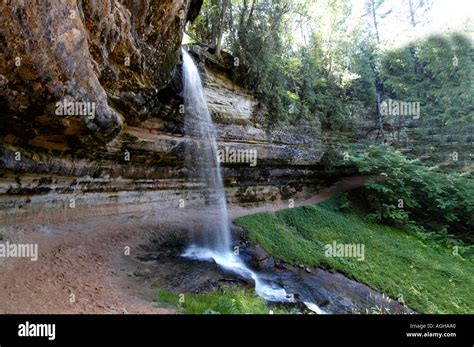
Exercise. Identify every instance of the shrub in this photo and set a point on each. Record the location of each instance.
(405, 192)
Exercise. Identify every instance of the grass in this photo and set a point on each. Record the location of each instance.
(428, 276)
(218, 302)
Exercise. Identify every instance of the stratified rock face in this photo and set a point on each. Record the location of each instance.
(228, 103)
(106, 58)
(122, 56)
(143, 167)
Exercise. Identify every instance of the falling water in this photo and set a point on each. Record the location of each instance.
(202, 161)
(214, 240)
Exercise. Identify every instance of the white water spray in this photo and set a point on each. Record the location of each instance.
(202, 163)
(214, 242)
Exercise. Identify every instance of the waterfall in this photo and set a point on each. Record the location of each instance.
(214, 240)
(202, 162)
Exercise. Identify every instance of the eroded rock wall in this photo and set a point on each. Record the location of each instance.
(130, 156)
(115, 54)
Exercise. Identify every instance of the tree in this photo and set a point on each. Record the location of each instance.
(210, 26)
(416, 9)
(373, 8)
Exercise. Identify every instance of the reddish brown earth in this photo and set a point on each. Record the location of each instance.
(86, 258)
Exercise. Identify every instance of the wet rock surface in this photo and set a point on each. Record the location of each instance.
(332, 292)
(122, 56)
(335, 293)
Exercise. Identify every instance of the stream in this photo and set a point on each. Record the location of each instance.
(303, 287)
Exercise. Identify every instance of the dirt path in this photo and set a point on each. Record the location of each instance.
(344, 185)
(82, 265)
(79, 269)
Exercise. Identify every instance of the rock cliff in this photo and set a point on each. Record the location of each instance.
(122, 57)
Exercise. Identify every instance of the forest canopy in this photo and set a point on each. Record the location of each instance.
(308, 60)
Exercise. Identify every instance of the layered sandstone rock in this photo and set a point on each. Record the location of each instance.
(143, 167)
(131, 154)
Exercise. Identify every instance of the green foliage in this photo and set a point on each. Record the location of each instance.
(219, 302)
(274, 236)
(265, 64)
(206, 25)
(340, 70)
(438, 73)
(403, 191)
(294, 81)
(306, 61)
(365, 66)
(426, 273)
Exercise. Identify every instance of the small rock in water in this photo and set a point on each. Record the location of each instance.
(281, 265)
(266, 264)
(301, 266)
(325, 303)
(150, 256)
(308, 270)
(260, 253)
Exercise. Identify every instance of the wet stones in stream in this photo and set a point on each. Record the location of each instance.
(169, 270)
(332, 292)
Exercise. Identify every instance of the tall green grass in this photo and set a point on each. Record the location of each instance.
(428, 276)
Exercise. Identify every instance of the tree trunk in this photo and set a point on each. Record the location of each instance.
(380, 118)
(374, 18)
(412, 14)
(221, 28)
(378, 81)
(251, 11)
